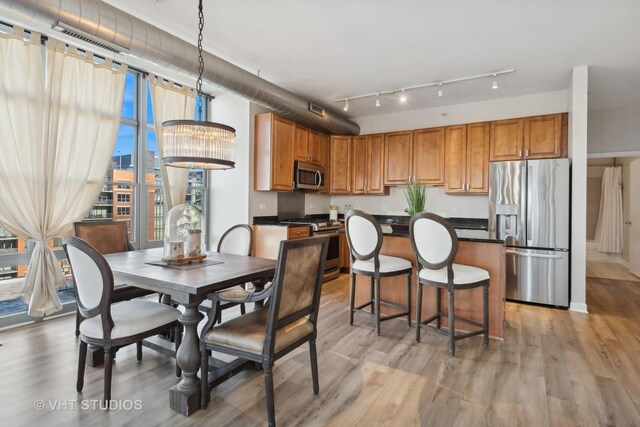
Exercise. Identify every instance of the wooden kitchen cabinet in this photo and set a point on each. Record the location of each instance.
(543, 137)
(429, 156)
(345, 255)
(316, 147)
(340, 165)
(467, 159)
(273, 153)
(301, 143)
(326, 162)
(507, 137)
(397, 157)
(267, 238)
(367, 164)
(538, 137)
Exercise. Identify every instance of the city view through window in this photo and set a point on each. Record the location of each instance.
(132, 192)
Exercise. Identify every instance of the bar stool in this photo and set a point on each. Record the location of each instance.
(364, 235)
(435, 244)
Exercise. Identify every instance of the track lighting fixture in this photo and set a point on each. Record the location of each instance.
(402, 96)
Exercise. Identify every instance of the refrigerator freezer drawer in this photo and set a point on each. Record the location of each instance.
(539, 276)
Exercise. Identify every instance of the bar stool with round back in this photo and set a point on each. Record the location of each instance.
(364, 235)
(435, 244)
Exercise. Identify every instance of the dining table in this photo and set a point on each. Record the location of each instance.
(188, 285)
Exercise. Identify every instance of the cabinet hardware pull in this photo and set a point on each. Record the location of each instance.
(526, 152)
(520, 152)
(293, 184)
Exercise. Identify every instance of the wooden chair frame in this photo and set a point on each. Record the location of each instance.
(375, 300)
(449, 286)
(268, 355)
(103, 309)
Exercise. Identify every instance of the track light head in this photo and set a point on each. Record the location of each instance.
(346, 105)
(377, 100)
(403, 97)
(440, 91)
(494, 83)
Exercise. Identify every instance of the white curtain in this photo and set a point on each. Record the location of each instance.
(610, 219)
(171, 103)
(58, 127)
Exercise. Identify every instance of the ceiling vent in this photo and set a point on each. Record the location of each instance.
(316, 109)
(81, 35)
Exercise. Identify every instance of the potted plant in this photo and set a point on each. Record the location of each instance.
(416, 195)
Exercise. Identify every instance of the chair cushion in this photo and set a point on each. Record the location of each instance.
(236, 292)
(388, 264)
(248, 332)
(462, 274)
(131, 318)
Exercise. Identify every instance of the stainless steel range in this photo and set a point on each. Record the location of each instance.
(324, 227)
(317, 224)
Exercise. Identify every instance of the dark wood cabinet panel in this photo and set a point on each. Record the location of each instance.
(316, 151)
(301, 136)
(359, 163)
(375, 164)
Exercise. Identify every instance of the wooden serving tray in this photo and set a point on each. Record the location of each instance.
(184, 259)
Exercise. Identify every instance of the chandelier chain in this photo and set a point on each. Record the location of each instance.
(200, 59)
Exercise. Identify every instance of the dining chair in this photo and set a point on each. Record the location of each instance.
(237, 240)
(435, 245)
(364, 236)
(107, 325)
(288, 321)
(108, 237)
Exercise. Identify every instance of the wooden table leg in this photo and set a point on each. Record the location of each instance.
(184, 397)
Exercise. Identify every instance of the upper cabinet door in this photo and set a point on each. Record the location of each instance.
(340, 165)
(282, 146)
(543, 137)
(455, 159)
(397, 154)
(316, 154)
(326, 162)
(507, 140)
(359, 165)
(428, 156)
(477, 177)
(301, 143)
(375, 164)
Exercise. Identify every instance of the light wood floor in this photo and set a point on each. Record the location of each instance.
(610, 270)
(554, 368)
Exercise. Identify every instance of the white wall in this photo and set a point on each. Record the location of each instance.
(615, 131)
(261, 203)
(437, 200)
(578, 126)
(229, 189)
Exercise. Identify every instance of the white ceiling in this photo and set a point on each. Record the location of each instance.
(339, 48)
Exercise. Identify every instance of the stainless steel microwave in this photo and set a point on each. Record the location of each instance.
(308, 176)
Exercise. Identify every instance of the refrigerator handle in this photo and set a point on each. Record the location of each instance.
(529, 167)
(531, 255)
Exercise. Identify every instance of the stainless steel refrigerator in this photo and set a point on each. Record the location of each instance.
(529, 207)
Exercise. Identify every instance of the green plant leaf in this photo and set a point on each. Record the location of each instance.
(416, 196)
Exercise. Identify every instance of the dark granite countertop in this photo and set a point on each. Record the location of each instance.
(468, 229)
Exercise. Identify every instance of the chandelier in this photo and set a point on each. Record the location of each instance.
(198, 144)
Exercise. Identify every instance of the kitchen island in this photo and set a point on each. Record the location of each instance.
(485, 253)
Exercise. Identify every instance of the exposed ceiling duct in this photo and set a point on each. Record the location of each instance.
(110, 26)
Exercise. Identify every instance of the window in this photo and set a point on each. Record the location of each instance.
(132, 192)
(124, 197)
(126, 211)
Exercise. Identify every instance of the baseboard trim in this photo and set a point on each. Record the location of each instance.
(578, 307)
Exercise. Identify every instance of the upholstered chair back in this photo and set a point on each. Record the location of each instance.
(108, 237)
(92, 277)
(364, 234)
(434, 240)
(237, 240)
